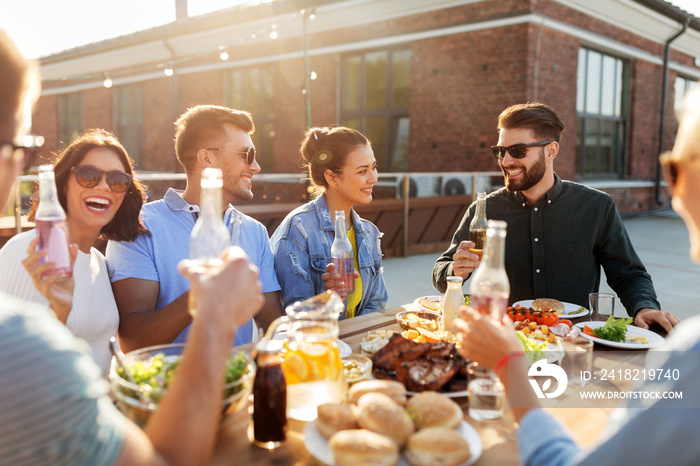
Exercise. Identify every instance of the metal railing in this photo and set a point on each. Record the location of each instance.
(398, 180)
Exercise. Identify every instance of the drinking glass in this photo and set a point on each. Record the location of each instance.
(487, 395)
(602, 305)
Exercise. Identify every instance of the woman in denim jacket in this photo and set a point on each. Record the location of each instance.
(343, 169)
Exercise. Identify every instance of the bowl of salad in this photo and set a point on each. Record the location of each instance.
(153, 369)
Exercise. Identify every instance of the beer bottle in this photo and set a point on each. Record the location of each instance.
(489, 287)
(477, 227)
(342, 254)
(452, 302)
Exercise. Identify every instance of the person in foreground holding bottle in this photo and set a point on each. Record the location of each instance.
(95, 188)
(560, 232)
(55, 404)
(342, 167)
(644, 431)
(151, 295)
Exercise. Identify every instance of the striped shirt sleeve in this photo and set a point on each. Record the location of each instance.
(53, 404)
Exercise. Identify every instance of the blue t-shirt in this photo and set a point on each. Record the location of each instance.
(170, 222)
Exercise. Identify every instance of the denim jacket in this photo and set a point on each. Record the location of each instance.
(301, 246)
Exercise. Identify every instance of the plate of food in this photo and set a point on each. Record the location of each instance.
(319, 447)
(617, 333)
(562, 308)
(422, 366)
(429, 303)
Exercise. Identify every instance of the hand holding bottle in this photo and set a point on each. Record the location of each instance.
(332, 280)
(50, 281)
(464, 260)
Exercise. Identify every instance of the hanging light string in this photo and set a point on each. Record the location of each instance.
(168, 68)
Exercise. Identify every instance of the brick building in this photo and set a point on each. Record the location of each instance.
(424, 79)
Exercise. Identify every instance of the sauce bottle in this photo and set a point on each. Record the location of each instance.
(269, 396)
(451, 303)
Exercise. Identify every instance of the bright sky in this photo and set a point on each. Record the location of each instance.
(43, 27)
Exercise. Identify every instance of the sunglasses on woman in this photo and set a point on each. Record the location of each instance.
(249, 154)
(517, 151)
(89, 177)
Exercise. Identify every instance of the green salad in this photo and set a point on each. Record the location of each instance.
(613, 330)
(155, 374)
(534, 349)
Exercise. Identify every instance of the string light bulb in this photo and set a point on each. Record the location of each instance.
(223, 54)
(313, 76)
(168, 71)
(107, 82)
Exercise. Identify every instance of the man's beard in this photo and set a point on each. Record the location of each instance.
(531, 176)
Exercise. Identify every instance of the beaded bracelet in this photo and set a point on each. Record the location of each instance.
(503, 361)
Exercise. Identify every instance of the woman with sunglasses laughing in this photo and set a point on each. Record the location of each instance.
(95, 185)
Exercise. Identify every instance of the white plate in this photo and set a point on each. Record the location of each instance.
(568, 308)
(434, 298)
(457, 394)
(654, 339)
(317, 444)
(344, 349)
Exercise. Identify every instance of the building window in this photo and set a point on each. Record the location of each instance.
(601, 102)
(252, 89)
(128, 108)
(680, 88)
(375, 89)
(70, 117)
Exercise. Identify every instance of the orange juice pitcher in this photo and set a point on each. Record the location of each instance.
(312, 366)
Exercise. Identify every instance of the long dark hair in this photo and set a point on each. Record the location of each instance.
(126, 225)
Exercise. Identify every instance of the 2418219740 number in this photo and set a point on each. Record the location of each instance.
(639, 374)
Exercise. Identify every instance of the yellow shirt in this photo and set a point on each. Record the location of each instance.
(354, 298)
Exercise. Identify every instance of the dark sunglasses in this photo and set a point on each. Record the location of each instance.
(30, 147)
(89, 177)
(249, 154)
(517, 151)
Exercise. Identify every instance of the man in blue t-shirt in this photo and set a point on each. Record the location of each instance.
(150, 294)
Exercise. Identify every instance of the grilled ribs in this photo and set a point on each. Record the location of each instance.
(419, 366)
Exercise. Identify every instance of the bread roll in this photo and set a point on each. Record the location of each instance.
(391, 388)
(548, 304)
(437, 446)
(333, 417)
(430, 409)
(379, 413)
(357, 446)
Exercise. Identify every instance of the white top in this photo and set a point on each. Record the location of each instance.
(94, 316)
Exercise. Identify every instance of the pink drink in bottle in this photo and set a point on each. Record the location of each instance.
(50, 222)
(342, 255)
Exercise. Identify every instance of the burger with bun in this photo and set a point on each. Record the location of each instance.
(358, 446)
(379, 413)
(437, 446)
(430, 409)
(391, 388)
(548, 304)
(334, 417)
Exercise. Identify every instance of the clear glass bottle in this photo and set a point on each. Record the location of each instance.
(50, 219)
(269, 396)
(235, 227)
(210, 236)
(489, 287)
(478, 226)
(451, 303)
(342, 254)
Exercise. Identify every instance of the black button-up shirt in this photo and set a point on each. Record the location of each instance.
(555, 248)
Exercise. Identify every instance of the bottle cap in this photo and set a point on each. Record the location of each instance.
(454, 279)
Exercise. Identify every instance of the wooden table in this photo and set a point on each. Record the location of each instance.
(498, 436)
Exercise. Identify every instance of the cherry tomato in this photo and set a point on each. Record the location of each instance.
(519, 316)
(511, 314)
(531, 315)
(549, 320)
(566, 322)
(539, 316)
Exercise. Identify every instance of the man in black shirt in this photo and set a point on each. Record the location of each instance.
(559, 233)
